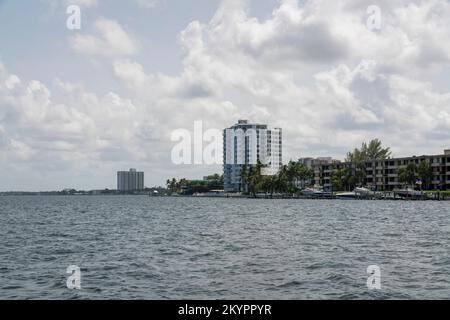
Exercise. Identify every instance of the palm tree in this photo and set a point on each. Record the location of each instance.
(358, 158)
(272, 184)
(266, 185)
(255, 177)
(183, 184)
(304, 174)
(375, 150)
(291, 176)
(172, 185)
(249, 180)
(252, 180)
(244, 178)
(372, 151)
(251, 176)
(281, 181)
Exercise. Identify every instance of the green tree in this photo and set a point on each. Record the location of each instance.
(251, 176)
(291, 175)
(355, 156)
(172, 186)
(281, 184)
(266, 185)
(271, 184)
(407, 175)
(244, 178)
(425, 173)
(215, 177)
(375, 151)
(358, 157)
(305, 175)
(343, 179)
(337, 179)
(285, 181)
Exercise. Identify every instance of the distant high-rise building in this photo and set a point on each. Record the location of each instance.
(245, 145)
(128, 181)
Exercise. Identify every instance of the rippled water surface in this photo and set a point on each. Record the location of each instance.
(187, 248)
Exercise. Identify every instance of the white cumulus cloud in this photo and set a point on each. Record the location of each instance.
(109, 40)
(312, 68)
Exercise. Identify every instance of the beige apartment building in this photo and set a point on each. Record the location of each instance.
(383, 174)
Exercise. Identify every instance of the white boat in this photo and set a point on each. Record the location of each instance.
(312, 192)
(347, 195)
(358, 193)
(211, 194)
(408, 193)
(316, 192)
(363, 191)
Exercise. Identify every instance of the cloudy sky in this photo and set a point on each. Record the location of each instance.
(78, 105)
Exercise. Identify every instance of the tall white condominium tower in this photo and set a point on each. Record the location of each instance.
(244, 145)
(129, 181)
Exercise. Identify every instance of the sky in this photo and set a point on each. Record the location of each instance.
(78, 105)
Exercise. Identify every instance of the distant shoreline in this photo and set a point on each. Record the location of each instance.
(230, 196)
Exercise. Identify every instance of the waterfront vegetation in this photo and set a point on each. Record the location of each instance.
(349, 178)
(412, 172)
(190, 187)
(438, 194)
(294, 177)
(355, 175)
(291, 179)
(74, 192)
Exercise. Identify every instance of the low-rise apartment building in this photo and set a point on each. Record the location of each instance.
(383, 174)
(322, 168)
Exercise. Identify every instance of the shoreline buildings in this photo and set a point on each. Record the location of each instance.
(246, 144)
(130, 181)
(383, 174)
